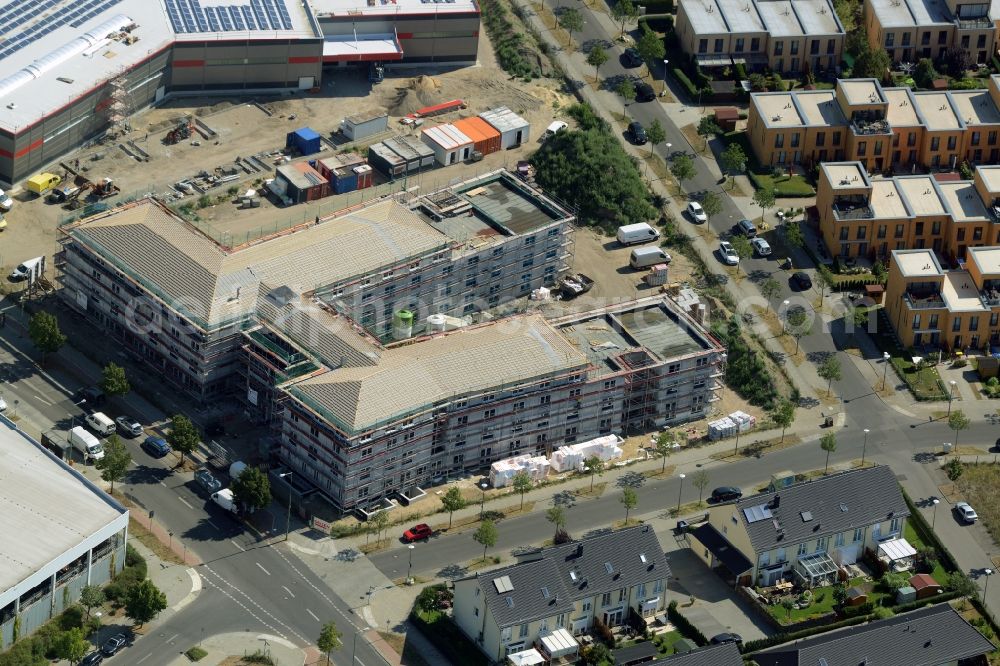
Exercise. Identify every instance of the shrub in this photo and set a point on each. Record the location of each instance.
(196, 653)
(71, 618)
(508, 41)
(603, 632)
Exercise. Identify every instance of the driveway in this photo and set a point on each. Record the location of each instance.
(717, 607)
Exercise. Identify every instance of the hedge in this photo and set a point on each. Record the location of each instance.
(925, 532)
(684, 625)
(779, 638)
(686, 82)
(449, 639)
(856, 283)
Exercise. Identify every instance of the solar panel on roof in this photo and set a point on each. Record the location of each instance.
(258, 12)
(248, 17)
(234, 13)
(757, 513)
(213, 22)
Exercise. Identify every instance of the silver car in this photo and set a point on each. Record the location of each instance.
(728, 254)
(762, 247)
(965, 512)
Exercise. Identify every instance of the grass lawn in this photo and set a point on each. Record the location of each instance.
(785, 186)
(910, 534)
(925, 384)
(822, 603)
(980, 485)
(665, 642)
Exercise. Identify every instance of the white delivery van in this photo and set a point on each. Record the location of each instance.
(86, 443)
(100, 423)
(644, 257)
(224, 498)
(630, 234)
(31, 268)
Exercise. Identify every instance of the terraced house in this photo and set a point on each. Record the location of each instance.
(553, 595)
(866, 217)
(955, 309)
(909, 30)
(787, 36)
(808, 530)
(882, 128)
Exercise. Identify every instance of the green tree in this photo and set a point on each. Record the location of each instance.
(377, 524)
(486, 535)
(596, 654)
(115, 462)
(858, 318)
(959, 582)
(629, 500)
(708, 127)
(925, 73)
(571, 21)
(958, 422)
(143, 602)
(330, 639)
(847, 11)
(798, 325)
(872, 64)
(650, 46)
(663, 447)
(742, 246)
(91, 596)
(682, 167)
(624, 11)
(825, 279)
(71, 645)
(184, 436)
(522, 483)
(597, 57)
(788, 604)
(954, 469)
(557, 516)
(733, 161)
(596, 466)
(711, 203)
(700, 479)
(829, 370)
(252, 489)
(626, 89)
(956, 62)
(828, 443)
(43, 329)
(763, 197)
(452, 502)
(113, 380)
(783, 414)
(793, 234)
(655, 134)
(769, 289)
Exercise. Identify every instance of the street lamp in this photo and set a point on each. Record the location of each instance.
(409, 566)
(951, 395)
(885, 359)
(288, 512)
(935, 501)
(80, 404)
(784, 322)
(987, 573)
(864, 449)
(482, 503)
(679, 491)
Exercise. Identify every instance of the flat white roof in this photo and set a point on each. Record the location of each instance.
(917, 263)
(892, 13)
(935, 107)
(963, 200)
(886, 201)
(921, 195)
(928, 12)
(778, 110)
(987, 259)
(817, 17)
(780, 18)
(845, 175)
(359, 46)
(960, 292)
(47, 509)
(901, 112)
(447, 136)
(741, 15)
(990, 176)
(976, 107)
(820, 107)
(347, 8)
(54, 51)
(705, 17)
(861, 91)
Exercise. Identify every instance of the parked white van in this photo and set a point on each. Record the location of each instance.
(100, 423)
(644, 257)
(630, 234)
(86, 443)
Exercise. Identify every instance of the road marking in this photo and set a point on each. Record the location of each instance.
(162, 484)
(262, 568)
(289, 591)
(145, 658)
(246, 608)
(214, 526)
(239, 546)
(184, 502)
(313, 615)
(172, 638)
(41, 399)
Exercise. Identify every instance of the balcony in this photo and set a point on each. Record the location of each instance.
(852, 211)
(865, 127)
(990, 296)
(980, 23)
(923, 300)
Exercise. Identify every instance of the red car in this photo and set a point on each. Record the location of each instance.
(418, 533)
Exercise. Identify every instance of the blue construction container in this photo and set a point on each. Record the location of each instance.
(305, 141)
(345, 181)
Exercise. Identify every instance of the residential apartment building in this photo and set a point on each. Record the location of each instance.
(883, 128)
(951, 309)
(868, 217)
(935, 634)
(178, 300)
(909, 30)
(809, 529)
(365, 423)
(552, 595)
(788, 36)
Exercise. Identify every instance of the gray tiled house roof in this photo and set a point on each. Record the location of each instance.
(581, 569)
(925, 637)
(822, 507)
(725, 654)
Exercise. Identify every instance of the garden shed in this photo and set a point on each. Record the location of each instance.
(856, 596)
(925, 585)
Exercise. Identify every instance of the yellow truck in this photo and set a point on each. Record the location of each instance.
(43, 182)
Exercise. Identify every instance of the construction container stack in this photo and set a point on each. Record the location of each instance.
(346, 172)
(449, 144)
(399, 155)
(299, 182)
(363, 125)
(485, 138)
(514, 130)
(304, 141)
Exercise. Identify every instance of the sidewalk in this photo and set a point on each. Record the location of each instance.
(221, 646)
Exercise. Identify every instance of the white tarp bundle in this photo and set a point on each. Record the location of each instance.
(743, 421)
(502, 472)
(571, 456)
(724, 427)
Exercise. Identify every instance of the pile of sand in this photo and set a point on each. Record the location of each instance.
(419, 92)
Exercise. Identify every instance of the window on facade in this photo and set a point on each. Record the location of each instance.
(862, 148)
(802, 549)
(981, 42)
(765, 559)
(890, 40)
(965, 41)
(795, 141)
(836, 138)
(936, 143)
(781, 557)
(859, 534)
(820, 544)
(779, 47)
(960, 234)
(795, 48)
(881, 231)
(755, 44)
(933, 323)
(845, 233)
(702, 46)
(739, 45)
(977, 234)
(820, 139)
(861, 233)
(831, 46)
(606, 599)
(899, 231)
(916, 321)
(974, 323)
(779, 140)
(975, 138)
(814, 47)
(991, 138)
(956, 325)
(878, 147)
(935, 227)
(906, 39)
(943, 37)
(952, 142)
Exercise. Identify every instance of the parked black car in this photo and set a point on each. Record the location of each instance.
(727, 637)
(637, 133)
(644, 92)
(726, 494)
(92, 659)
(113, 645)
(631, 58)
(802, 281)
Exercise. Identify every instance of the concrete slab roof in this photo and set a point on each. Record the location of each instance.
(780, 18)
(921, 195)
(892, 13)
(963, 201)
(741, 15)
(936, 110)
(861, 91)
(976, 107)
(960, 293)
(47, 508)
(886, 201)
(991, 177)
(817, 17)
(391, 7)
(901, 112)
(928, 12)
(705, 16)
(845, 175)
(987, 259)
(820, 107)
(778, 110)
(917, 263)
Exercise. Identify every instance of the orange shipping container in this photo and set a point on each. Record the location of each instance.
(484, 137)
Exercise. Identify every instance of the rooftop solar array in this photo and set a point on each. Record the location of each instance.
(26, 13)
(188, 16)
